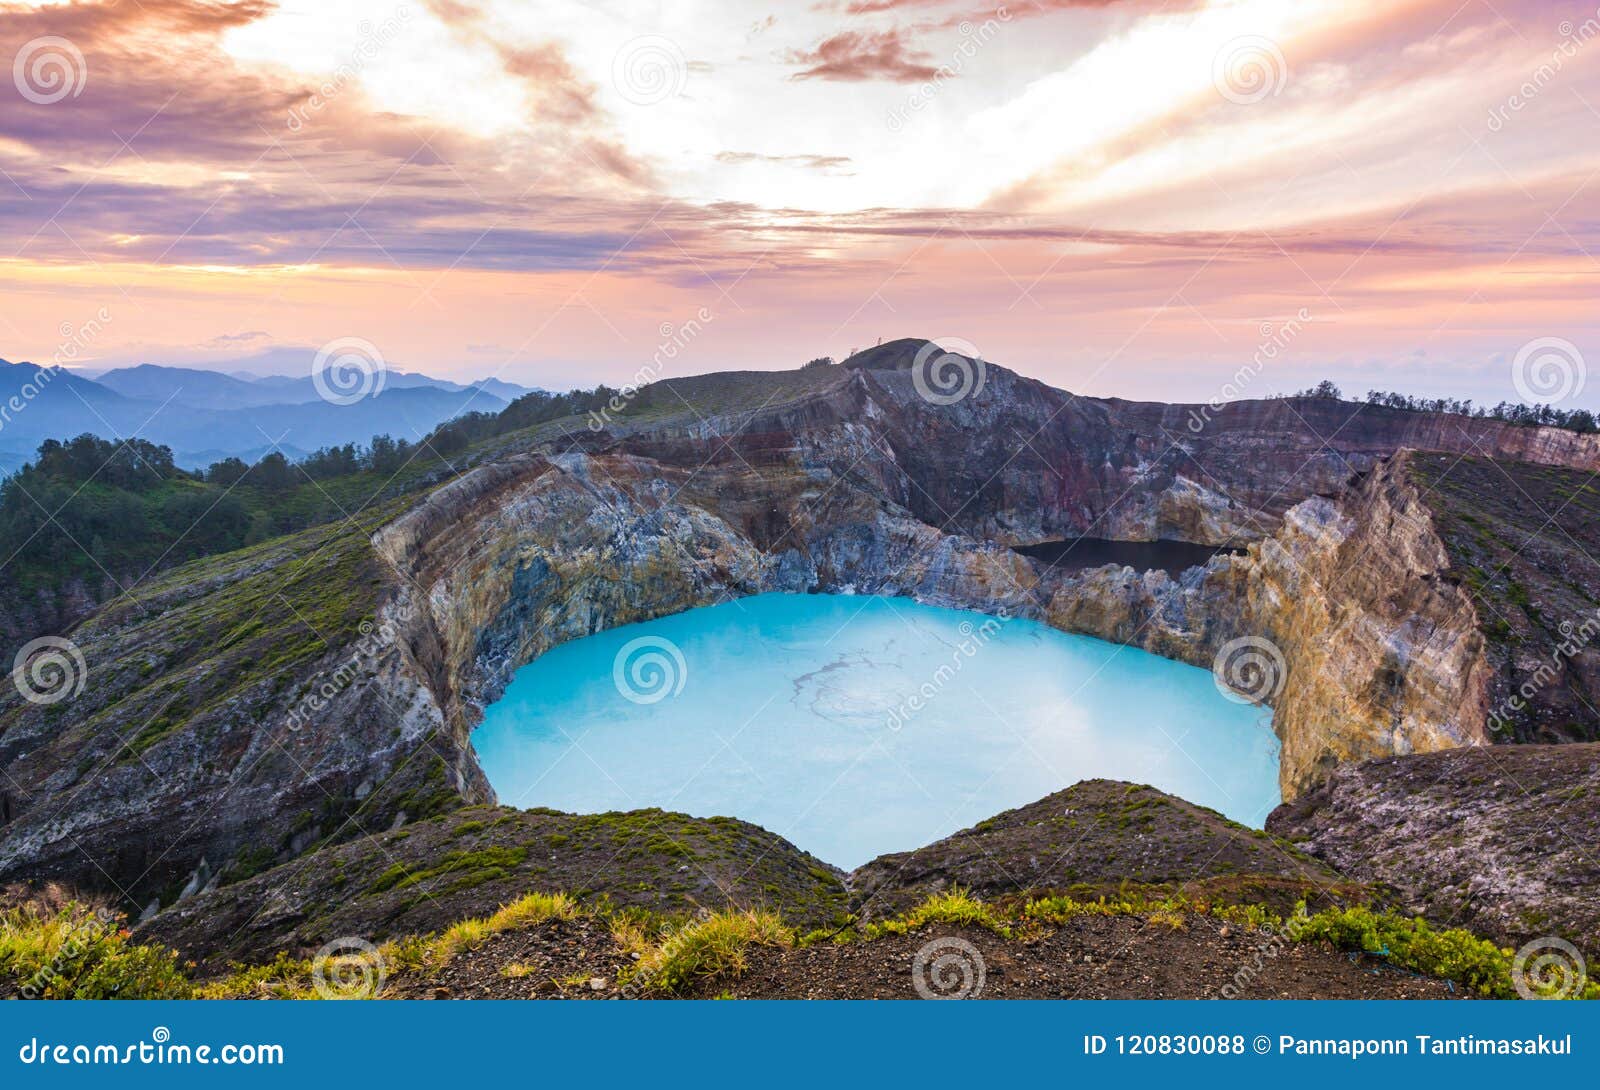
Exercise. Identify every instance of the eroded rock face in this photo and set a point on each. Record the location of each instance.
(1496, 839)
(240, 754)
(1364, 647)
(509, 564)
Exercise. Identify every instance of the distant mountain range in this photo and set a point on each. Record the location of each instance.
(207, 415)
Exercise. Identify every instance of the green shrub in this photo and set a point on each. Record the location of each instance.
(69, 950)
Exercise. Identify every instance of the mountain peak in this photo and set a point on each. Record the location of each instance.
(895, 355)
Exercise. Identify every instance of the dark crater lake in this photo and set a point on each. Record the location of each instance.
(1084, 553)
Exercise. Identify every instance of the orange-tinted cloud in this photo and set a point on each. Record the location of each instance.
(202, 197)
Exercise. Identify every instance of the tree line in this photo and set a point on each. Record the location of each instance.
(88, 516)
(1512, 412)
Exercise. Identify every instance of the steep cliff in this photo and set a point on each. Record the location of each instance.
(1345, 620)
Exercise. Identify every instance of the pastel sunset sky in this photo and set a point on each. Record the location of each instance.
(1122, 197)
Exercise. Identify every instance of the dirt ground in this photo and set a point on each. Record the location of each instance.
(1088, 958)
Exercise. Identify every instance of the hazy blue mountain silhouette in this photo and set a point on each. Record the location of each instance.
(205, 415)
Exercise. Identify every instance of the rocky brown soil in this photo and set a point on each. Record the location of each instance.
(1088, 958)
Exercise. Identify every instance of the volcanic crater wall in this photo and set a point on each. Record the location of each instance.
(854, 484)
(1367, 645)
(1371, 649)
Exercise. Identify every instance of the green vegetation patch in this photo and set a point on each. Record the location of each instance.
(70, 950)
(471, 868)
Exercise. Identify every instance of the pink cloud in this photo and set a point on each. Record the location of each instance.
(855, 56)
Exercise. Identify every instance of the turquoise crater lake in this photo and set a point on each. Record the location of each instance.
(855, 726)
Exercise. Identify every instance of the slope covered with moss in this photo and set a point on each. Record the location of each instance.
(1523, 540)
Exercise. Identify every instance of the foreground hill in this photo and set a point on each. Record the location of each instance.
(469, 905)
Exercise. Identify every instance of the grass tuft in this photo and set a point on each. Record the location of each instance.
(955, 907)
(529, 911)
(711, 947)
